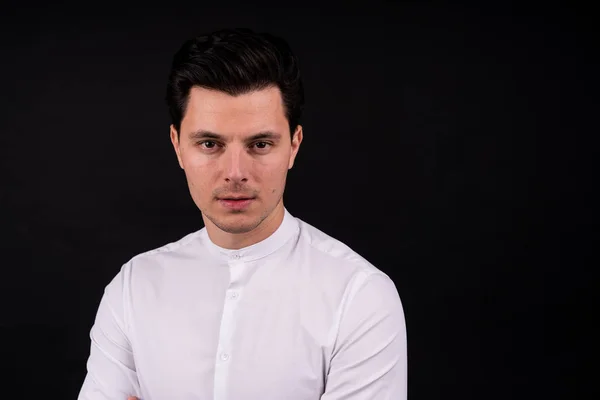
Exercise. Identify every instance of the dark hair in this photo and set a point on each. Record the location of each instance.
(235, 61)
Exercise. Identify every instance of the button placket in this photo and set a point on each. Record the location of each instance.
(234, 295)
(238, 270)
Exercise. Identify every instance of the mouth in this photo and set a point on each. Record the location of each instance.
(235, 203)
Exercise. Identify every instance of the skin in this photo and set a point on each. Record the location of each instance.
(223, 155)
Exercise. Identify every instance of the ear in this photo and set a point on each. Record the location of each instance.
(175, 142)
(296, 141)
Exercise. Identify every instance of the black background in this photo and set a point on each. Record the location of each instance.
(447, 144)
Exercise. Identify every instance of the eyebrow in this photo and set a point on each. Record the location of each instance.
(204, 134)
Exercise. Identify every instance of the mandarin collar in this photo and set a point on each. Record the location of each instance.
(288, 227)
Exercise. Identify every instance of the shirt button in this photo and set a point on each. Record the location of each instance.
(236, 256)
(233, 295)
(224, 356)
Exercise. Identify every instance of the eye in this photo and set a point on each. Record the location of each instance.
(207, 144)
(262, 145)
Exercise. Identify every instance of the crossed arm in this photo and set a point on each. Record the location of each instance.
(369, 360)
(111, 372)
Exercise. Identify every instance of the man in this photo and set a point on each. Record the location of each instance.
(258, 304)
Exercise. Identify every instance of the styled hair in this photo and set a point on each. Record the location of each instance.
(235, 61)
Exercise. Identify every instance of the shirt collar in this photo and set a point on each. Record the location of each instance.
(288, 228)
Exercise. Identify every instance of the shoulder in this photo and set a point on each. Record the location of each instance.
(332, 256)
(357, 292)
(172, 255)
(173, 249)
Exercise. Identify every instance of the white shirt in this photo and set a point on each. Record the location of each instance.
(297, 316)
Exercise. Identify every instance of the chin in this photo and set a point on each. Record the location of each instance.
(238, 227)
(235, 222)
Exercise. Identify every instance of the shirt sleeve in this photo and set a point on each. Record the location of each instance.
(369, 359)
(111, 373)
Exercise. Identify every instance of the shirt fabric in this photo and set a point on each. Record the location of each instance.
(297, 316)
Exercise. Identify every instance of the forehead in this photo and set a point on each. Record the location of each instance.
(222, 113)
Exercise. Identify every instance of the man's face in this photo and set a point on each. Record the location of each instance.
(236, 152)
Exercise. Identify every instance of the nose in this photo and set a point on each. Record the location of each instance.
(236, 165)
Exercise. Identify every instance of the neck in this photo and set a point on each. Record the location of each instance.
(236, 241)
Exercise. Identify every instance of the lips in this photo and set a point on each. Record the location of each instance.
(235, 203)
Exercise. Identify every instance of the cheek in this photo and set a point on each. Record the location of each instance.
(272, 175)
(199, 174)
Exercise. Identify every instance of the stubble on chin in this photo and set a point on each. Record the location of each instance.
(238, 224)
